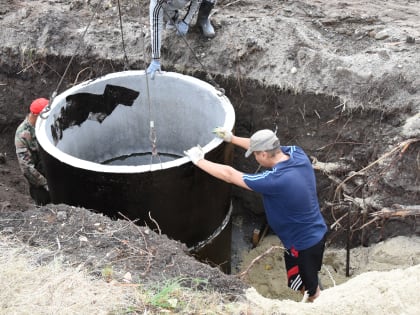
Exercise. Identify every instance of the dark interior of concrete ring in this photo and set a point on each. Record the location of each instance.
(315, 122)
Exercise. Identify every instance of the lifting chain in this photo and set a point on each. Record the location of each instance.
(153, 140)
(215, 234)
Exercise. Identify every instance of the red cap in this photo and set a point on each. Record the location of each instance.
(38, 105)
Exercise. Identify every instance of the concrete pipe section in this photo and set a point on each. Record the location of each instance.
(115, 144)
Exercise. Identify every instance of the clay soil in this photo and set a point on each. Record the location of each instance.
(339, 78)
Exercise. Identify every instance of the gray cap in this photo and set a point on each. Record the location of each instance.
(263, 140)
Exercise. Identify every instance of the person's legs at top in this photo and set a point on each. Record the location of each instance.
(203, 18)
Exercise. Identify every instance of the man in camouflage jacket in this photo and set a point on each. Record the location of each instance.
(27, 151)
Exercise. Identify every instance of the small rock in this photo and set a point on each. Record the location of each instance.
(8, 230)
(61, 215)
(411, 127)
(410, 40)
(251, 42)
(293, 70)
(382, 35)
(384, 55)
(127, 277)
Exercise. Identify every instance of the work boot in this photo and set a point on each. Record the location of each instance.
(203, 20)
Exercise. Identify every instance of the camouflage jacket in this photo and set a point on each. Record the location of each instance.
(27, 152)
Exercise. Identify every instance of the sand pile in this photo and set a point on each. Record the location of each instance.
(385, 278)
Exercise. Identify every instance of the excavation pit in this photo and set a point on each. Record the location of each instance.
(319, 123)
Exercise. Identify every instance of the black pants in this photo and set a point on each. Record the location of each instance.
(303, 266)
(40, 195)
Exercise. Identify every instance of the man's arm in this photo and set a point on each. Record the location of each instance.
(241, 142)
(228, 136)
(223, 172)
(27, 166)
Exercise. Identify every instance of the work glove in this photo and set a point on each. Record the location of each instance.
(153, 67)
(182, 28)
(223, 133)
(195, 154)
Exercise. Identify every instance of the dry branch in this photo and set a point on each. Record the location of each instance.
(329, 167)
(401, 147)
(368, 223)
(150, 254)
(361, 203)
(231, 3)
(268, 251)
(337, 221)
(397, 211)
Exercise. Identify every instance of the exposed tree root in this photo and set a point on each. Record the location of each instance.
(330, 167)
(399, 148)
(268, 251)
(360, 207)
(397, 211)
